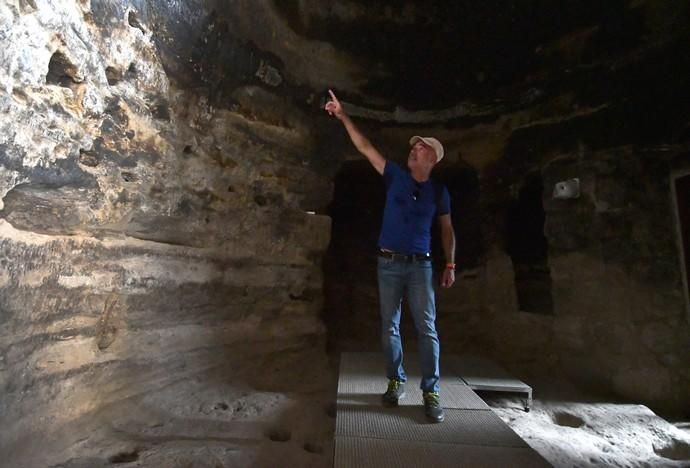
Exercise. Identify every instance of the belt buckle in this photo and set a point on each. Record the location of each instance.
(404, 257)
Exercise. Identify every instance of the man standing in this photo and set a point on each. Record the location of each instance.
(413, 200)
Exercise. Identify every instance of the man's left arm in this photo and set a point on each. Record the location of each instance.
(448, 241)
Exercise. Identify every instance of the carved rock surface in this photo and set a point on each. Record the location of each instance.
(149, 240)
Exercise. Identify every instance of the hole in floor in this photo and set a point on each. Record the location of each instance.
(675, 450)
(279, 435)
(125, 457)
(567, 419)
(128, 177)
(313, 448)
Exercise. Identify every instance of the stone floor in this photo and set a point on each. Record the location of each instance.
(281, 413)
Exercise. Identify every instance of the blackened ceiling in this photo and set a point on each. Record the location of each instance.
(487, 57)
(436, 53)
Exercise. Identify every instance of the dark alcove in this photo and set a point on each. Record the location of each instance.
(527, 247)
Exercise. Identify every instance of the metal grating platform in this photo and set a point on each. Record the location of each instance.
(378, 453)
(367, 434)
(362, 392)
(408, 423)
(482, 374)
(363, 380)
(386, 453)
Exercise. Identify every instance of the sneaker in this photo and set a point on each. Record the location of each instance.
(396, 391)
(432, 407)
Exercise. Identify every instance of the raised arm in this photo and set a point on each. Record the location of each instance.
(361, 142)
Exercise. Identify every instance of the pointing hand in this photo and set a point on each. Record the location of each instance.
(333, 107)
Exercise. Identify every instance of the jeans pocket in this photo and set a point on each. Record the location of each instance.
(385, 262)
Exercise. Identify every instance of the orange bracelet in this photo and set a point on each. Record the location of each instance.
(450, 265)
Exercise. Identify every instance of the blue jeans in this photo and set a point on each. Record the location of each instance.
(395, 277)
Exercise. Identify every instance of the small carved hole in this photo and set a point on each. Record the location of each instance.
(61, 71)
(134, 21)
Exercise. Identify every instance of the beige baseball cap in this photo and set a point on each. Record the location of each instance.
(431, 141)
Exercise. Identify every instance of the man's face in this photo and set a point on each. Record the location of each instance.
(422, 156)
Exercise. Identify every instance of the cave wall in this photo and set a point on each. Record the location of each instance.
(620, 317)
(618, 286)
(153, 225)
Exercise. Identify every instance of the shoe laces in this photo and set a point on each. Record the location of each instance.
(432, 399)
(394, 385)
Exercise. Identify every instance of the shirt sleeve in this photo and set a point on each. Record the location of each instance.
(444, 203)
(390, 171)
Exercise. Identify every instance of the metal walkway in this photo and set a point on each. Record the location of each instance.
(369, 435)
(482, 374)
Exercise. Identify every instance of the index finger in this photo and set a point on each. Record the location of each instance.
(333, 95)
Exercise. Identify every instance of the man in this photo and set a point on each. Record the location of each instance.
(413, 200)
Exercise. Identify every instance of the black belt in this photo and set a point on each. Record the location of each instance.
(404, 257)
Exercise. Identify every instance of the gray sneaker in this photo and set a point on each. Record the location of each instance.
(432, 407)
(396, 391)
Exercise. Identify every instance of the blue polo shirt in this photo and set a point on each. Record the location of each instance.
(410, 211)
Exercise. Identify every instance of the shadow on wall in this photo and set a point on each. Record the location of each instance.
(526, 244)
(681, 191)
(462, 182)
(350, 262)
